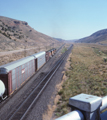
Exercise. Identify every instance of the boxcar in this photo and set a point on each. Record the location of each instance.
(14, 74)
(52, 51)
(50, 55)
(40, 59)
(47, 56)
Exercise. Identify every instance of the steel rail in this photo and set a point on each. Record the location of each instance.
(58, 65)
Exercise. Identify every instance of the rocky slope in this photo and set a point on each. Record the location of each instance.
(15, 34)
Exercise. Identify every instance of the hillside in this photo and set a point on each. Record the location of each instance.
(99, 36)
(59, 39)
(15, 34)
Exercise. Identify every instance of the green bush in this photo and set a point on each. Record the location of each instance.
(105, 59)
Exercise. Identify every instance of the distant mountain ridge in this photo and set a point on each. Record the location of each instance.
(66, 41)
(98, 36)
(16, 34)
(59, 39)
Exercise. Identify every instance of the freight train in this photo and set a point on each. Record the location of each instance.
(14, 74)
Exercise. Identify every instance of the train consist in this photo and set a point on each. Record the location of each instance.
(14, 74)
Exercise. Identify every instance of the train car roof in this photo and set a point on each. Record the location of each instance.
(51, 50)
(17, 63)
(37, 55)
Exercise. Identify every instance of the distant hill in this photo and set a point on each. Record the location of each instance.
(96, 37)
(59, 39)
(66, 41)
(15, 34)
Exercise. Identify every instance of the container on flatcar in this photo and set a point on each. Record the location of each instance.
(14, 74)
(40, 59)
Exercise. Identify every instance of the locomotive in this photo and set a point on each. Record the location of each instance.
(14, 74)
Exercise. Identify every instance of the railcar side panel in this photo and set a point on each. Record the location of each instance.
(21, 74)
(18, 76)
(47, 56)
(35, 64)
(13, 80)
(9, 82)
(41, 61)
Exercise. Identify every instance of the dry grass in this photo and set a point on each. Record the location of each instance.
(104, 42)
(87, 73)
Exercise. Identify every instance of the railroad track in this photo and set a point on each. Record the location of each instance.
(22, 110)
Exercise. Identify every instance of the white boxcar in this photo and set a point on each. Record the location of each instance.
(15, 73)
(40, 59)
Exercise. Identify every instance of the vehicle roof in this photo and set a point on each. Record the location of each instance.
(17, 63)
(37, 55)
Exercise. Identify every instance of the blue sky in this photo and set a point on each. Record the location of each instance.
(66, 19)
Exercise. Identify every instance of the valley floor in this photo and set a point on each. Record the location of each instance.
(86, 72)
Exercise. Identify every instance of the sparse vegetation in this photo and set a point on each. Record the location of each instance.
(87, 73)
(105, 59)
(64, 49)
